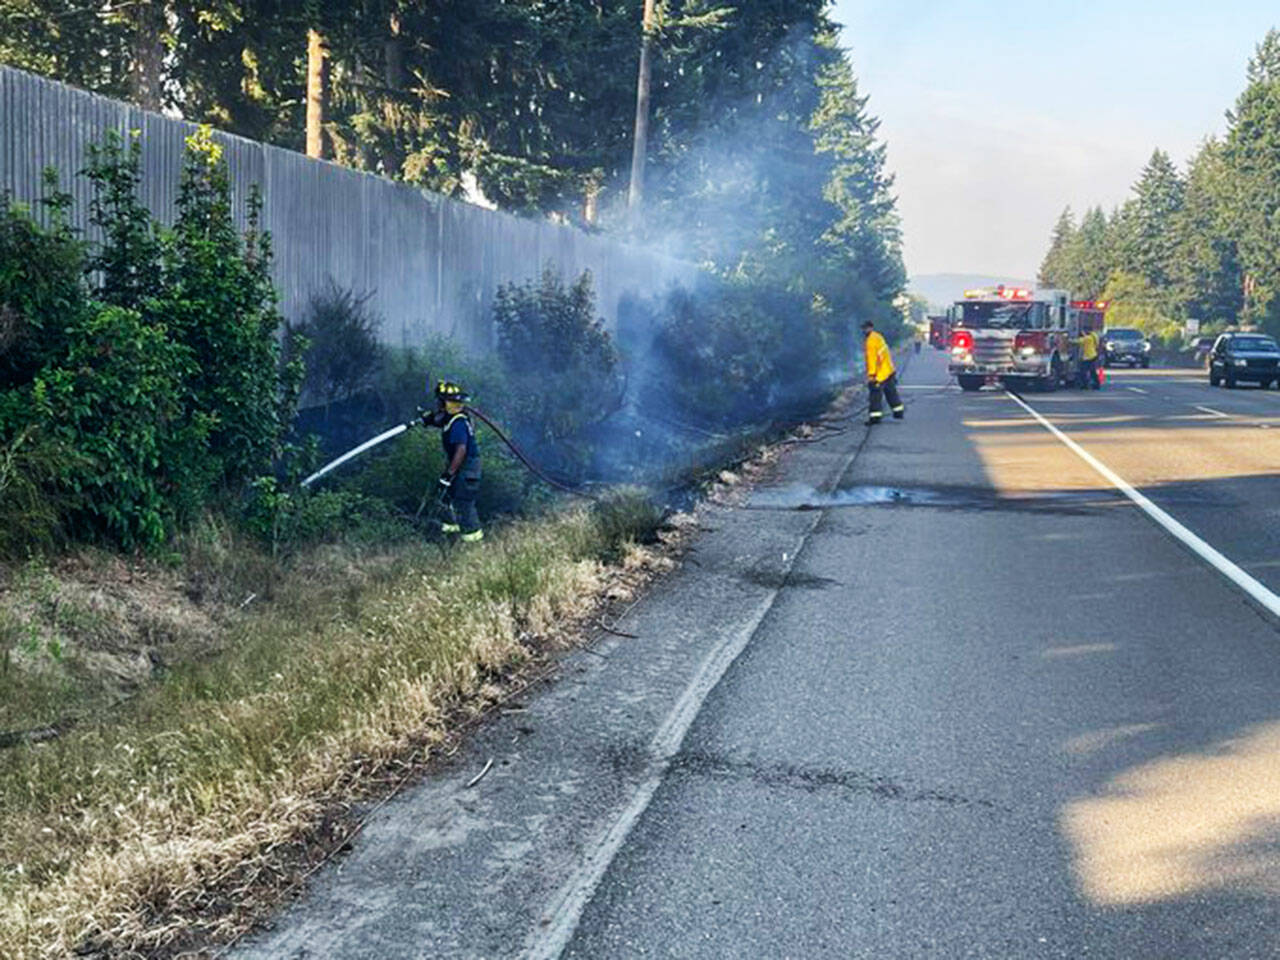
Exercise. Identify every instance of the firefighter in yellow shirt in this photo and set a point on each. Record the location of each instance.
(1087, 369)
(882, 380)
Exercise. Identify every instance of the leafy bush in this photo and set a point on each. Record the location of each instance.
(41, 286)
(32, 504)
(166, 387)
(116, 399)
(127, 263)
(287, 519)
(219, 300)
(563, 370)
(726, 354)
(342, 356)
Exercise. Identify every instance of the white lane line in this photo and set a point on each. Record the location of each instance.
(1136, 389)
(1216, 413)
(1208, 554)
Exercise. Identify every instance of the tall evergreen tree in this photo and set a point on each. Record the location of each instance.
(1206, 275)
(864, 240)
(1150, 240)
(1090, 260)
(1252, 152)
(1055, 268)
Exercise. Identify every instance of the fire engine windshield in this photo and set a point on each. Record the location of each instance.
(1002, 316)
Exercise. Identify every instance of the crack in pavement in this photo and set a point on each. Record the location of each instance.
(812, 779)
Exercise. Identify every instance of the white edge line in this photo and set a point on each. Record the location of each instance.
(565, 913)
(1216, 413)
(1136, 389)
(1208, 554)
(560, 921)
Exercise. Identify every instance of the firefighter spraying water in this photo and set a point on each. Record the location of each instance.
(457, 487)
(459, 484)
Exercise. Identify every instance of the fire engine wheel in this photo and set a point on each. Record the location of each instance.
(970, 383)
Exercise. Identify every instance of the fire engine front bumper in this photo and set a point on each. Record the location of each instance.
(1037, 369)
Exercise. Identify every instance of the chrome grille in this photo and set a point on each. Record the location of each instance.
(992, 350)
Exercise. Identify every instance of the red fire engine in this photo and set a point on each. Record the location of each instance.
(939, 332)
(1018, 337)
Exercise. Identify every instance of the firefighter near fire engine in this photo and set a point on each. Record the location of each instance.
(882, 379)
(1087, 371)
(459, 484)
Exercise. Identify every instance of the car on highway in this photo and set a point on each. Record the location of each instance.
(1125, 345)
(1241, 357)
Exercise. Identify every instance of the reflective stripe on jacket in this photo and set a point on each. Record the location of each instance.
(879, 359)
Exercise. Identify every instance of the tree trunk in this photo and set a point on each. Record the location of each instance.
(393, 52)
(146, 66)
(591, 200)
(640, 149)
(317, 92)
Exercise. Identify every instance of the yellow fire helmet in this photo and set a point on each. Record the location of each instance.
(451, 395)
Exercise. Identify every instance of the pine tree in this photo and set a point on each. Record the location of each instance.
(1206, 274)
(1252, 153)
(1055, 269)
(1090, 258)
(1151, 241)
(864, 238)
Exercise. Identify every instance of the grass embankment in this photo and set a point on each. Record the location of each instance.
(138, 827)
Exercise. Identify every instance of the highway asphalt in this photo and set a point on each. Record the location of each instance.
(938, 690)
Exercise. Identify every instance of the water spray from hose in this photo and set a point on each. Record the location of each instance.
(356, 451)
(481, 415)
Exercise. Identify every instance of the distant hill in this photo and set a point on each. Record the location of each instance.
(941, 289)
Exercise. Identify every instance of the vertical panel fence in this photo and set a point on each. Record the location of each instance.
(430, 263)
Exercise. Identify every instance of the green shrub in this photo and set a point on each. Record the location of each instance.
(563, 371)
(117, 400)
(288, 519)
(33, 504)
(163, 391)
(41, 287)
(343, 355)
(219, 301)
(727, 354)
(127, 262)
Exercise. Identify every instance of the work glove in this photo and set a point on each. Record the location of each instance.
(428, 417)
(446, 483)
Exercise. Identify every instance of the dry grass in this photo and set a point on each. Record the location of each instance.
(112, 836)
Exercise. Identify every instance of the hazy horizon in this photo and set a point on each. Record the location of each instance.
(998, 114)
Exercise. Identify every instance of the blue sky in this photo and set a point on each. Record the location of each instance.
(998, 114)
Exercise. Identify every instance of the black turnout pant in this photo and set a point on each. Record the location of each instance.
(886, 389)
(462, 500)
(1088, 374)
